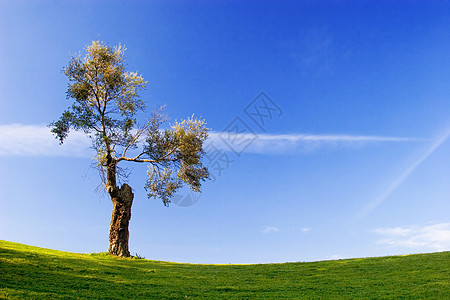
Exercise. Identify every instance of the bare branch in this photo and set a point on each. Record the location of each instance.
(136, 137)
(136, 159)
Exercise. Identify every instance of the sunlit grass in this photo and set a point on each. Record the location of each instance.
(37, 273)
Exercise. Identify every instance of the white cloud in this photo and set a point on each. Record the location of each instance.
(270, 229)
(37, 140)
(398, 231)
(279, 143)
(435, 237)
(305, 229)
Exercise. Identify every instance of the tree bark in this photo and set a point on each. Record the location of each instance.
(122, 199)
(120, 219)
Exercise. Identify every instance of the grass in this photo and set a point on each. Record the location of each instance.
(37, 273)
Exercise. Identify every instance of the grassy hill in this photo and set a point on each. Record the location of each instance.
(37, 273)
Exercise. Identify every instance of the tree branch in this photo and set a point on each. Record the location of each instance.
(136, 137)
(138, 159)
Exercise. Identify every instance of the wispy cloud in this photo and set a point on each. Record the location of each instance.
(269, 229)
(279, 143)
(398, 181)
(37, 140)
(435, 237)
(305, 229)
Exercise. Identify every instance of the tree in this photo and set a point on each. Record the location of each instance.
(106, 104)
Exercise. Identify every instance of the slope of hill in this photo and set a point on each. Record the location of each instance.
(37, 273)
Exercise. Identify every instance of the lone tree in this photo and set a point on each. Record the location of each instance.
(106, 103)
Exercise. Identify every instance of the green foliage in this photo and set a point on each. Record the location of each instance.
(137, 256)
(37, 273)
(187, 137)
(106, 104)
(106, 96)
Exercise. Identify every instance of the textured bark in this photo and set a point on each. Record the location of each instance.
(120, 219)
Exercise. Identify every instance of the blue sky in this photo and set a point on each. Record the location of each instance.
(352, 161)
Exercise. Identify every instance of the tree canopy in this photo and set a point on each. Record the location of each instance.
(107, 101)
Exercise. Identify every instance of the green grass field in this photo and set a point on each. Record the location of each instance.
(37, 273)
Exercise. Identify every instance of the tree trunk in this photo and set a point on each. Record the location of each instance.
(120, 219)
